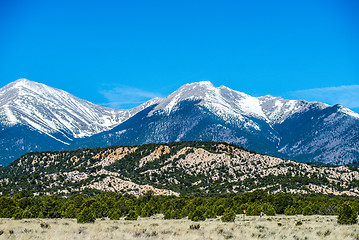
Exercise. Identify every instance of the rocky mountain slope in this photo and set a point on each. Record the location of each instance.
(295, 129)
(35, 117)
(173, 168)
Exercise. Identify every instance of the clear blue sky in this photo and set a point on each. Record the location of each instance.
(121, 53)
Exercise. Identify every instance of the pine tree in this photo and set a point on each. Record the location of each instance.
(70, 211)
(210, 213)
(347, 214)
(115, 215)
(26, 214)
(131, 215)
(290, 210)
(197, 215)
(307, 211)
(269, 209)
(86, 216)
(229, 215)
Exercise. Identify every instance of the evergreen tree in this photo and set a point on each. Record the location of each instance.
(131, 215)
(147, 211)
(197, 215)
(290, 210)
(253, 210)
(269, 209)
(347, 214)
(307, 211)
(210, 213)
(219, 210)
(26, 214)
(229, 215)
(115, 215)
(18, 213)
(86, 216)
(169, 214)
(70, 211)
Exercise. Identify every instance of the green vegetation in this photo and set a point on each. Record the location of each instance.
(86, 208)
(53, 172)
(229, 215)
(86, 216)
(218, 188)
(131, 215)
(347, 214)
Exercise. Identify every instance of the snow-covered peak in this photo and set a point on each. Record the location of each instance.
(57, 113)
(222, 101)
(277, 109)
(347, 111)
(24, 83)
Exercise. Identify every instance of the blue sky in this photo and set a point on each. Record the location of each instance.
(122, 53)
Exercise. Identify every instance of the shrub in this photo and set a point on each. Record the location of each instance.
(173, 214)
(131, 215)
(197, 215)
(229, 215)
(210, 214)
(147, 211)
(115, 215)
(347, 214)
(18, 213)
(269, 209)
(86, 216)
(219, 210)
(44, 225)
(307, 211)
(70, 211)
(298, 223)
(168, 214)
(290, 210)
(26, 214)
(253, 210)
(194, 226)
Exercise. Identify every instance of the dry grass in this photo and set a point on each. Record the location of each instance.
(278, 227)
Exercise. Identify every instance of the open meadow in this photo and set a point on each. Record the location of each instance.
(155, 227)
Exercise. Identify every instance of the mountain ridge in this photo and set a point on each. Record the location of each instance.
(172, 168)
(296, 129)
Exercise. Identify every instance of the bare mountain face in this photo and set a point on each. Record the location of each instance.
(36, 117)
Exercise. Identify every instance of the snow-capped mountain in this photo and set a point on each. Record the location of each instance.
(36, 117)
(296, 129)
(52, 113)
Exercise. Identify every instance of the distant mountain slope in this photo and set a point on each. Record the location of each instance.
(172, 168)
(295, 129)
(35, 117)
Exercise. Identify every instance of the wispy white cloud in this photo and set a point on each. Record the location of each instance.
(127, 97)
(347, 95)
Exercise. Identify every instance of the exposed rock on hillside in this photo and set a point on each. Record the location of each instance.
(174, 168)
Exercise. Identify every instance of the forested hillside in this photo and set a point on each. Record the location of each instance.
(179, 168)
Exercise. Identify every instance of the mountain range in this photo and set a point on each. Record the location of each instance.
(36, 117)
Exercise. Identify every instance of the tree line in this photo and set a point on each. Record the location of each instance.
(114, 206)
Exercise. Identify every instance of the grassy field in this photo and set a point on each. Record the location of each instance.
(277, 227)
